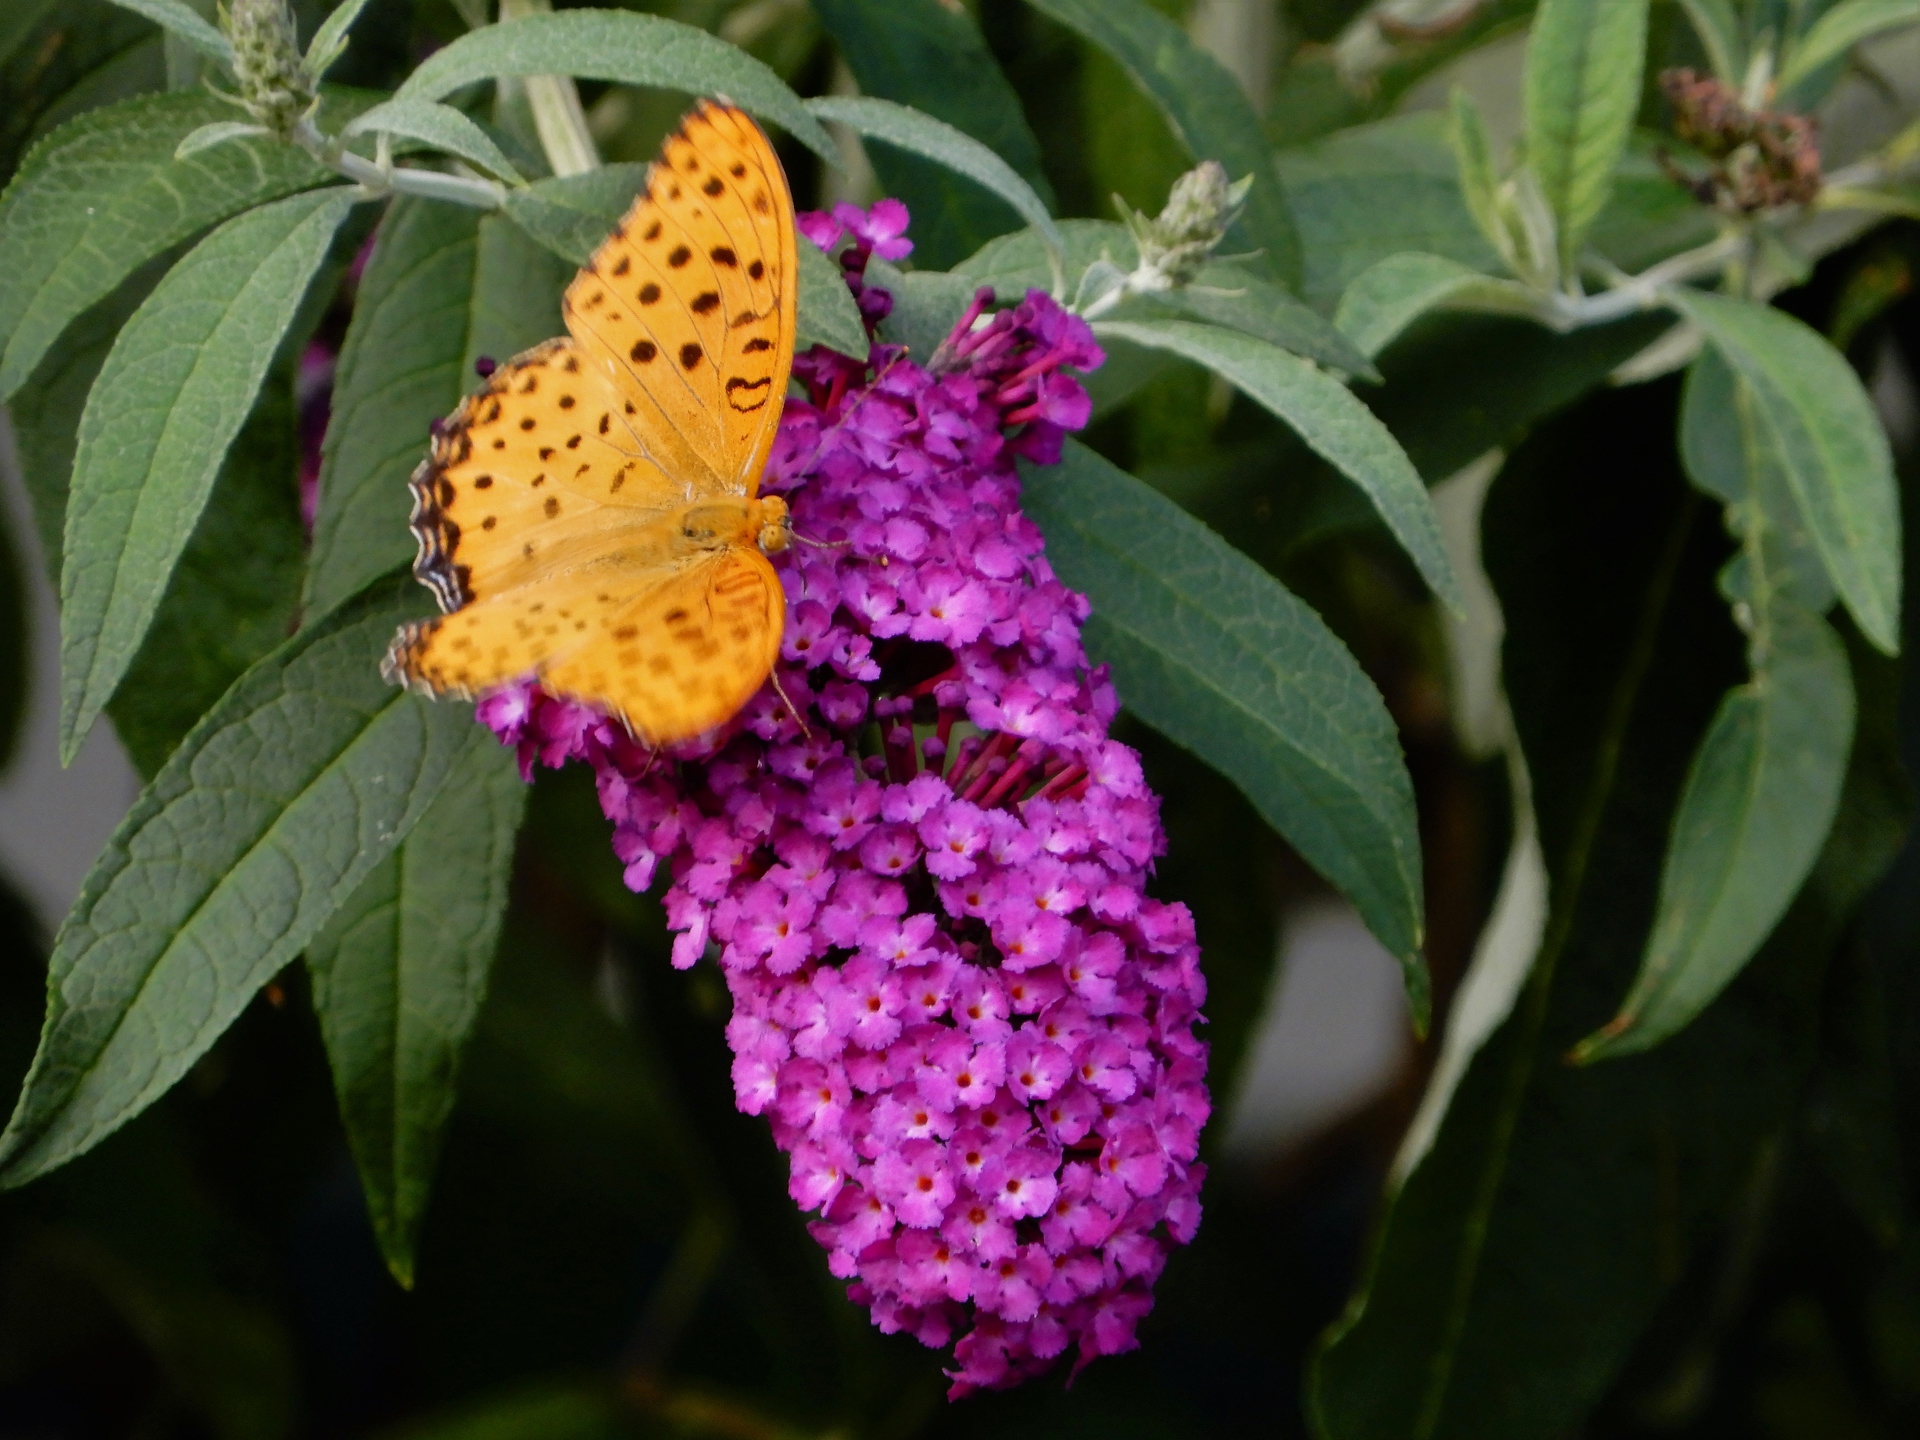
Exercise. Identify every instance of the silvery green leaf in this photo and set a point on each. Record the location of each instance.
(623, 47)
(221, 131)
(920, 133)
(440, 126)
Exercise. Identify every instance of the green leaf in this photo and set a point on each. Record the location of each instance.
(1206, 108)
(828, 315)
(1374, 191)
(627, 49)
(930, 56)
(1385, 299)
(927, 304)
(1760, 798)
(1728, 456)
(1821, 426)
(46, 410)
(398, 976)
(218, 133)
(104, 195)
(1525, 1256)
(1721, 36)
(235, 592)
(935, 139)
(1584, 62)
(443, 286)
(1222, 293)
(282, 800)
(1473, 154)
(573, 214)
(1838, 31)
(1216, 654)
(440, 126)
(173, 393)
(178, 18)
(1325, 414)
(329, 42)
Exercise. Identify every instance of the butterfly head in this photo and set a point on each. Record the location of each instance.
(771, 524)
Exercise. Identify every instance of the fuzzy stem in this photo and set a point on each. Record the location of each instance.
(377, 180)
(555, 102)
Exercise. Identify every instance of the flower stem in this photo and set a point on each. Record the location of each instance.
(555, 102)
(379, 180)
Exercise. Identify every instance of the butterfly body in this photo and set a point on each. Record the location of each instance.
(591, 515)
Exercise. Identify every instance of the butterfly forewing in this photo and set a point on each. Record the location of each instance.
(691, 300)
(550, 512)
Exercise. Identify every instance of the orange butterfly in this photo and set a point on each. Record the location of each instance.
(591, 516)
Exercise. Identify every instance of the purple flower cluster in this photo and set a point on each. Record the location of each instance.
(968, 1026)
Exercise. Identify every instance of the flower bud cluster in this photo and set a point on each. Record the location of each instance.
(1200, 208)
(274, 86)
(969, 1027)
(1762, 159)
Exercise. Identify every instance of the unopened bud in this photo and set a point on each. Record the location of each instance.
(1201, 206)
(274, 88)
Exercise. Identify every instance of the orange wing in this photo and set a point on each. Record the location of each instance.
(530, 474)
(687, 654)
(691, 303)
(549, 513)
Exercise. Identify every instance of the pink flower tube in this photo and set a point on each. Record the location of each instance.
(968, 1026)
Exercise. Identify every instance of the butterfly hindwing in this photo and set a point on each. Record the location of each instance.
(493, 641)
(697, 646)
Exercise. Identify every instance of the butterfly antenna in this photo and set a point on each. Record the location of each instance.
(821, 544)
(792, 709)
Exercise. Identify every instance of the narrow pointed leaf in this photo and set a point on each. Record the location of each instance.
(1721, 36)
(235, 593)
(1386, 298)
(331, 38)
(1335, 425)
(178, 18)
(1839, 30)
(1372, 191)
(1216, 654)
(625, 48)
(282, 800)
(1759, 800)
(1206, 108)
(218, 133)
(398, 977)
(178, 383)
(828, 315)
(572, 214)
(933, 57)
(440, 126)
(104, 194)
(1473, 154)
(443, 286)
(922, 134)
(1822, 427)
(1584, 61)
